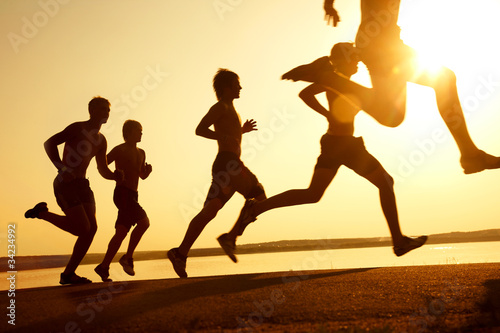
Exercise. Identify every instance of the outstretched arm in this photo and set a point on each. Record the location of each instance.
(331, 15)
(308, 95)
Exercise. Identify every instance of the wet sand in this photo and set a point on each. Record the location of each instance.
(444, 298)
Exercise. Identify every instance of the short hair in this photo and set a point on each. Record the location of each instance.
(128, 125)
(97, 102)
(344, 52)
(223, 79)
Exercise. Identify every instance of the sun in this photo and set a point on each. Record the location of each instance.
(450, 32)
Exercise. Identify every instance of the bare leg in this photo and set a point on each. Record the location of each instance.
(84, 240)
(450, 109)
(114, 245)
(236, 230)
(385, 102)
(198, 223)
(319, 183)
(380, 178)
(472, 159)
(75, 221)
(136, 236)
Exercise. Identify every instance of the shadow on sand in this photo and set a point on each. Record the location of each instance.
(127, 300)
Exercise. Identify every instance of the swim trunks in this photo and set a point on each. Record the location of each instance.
(73, 193)
(230, 175)
(346, 150)
(129, 210)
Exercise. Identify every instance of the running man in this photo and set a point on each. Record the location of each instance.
(339, 147)
(229, 174)
(392, 64)
(132, 161)
(82, 141)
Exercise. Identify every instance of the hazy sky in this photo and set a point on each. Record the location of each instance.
(154, 60)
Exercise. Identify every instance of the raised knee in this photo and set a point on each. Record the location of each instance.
(87, 230)
(448, 75)
(388, 114)
(388, 182)
(144, 223)
(314, 196)
(446, 78)
(92, 230)
(394, 122)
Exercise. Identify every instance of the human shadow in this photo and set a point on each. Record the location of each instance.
(134, 303)
(489, 308)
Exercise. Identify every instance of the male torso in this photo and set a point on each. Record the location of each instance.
(228, 127)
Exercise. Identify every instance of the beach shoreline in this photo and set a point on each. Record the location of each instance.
(52, 261)
(448, 298)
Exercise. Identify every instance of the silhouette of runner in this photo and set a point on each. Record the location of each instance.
(82, 141)
(391, 65)
(229, 174)
(132, 161)
(339, 147)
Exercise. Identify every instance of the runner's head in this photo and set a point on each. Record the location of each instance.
(345, 58)
(132, 131)
(99, 109)
(226, 84)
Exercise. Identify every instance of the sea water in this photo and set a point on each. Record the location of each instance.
(438, 254)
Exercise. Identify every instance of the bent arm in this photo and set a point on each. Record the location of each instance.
(308, 95)
(51, 147)
(111, 157)
(145, 168)
(203, 128)
(102, 163)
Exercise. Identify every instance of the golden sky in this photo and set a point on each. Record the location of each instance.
(154, 60)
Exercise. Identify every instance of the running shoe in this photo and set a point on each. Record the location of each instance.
(103, 272)
(178, 261)
(35, 211)
(228, 246)
(310, 72)
(128, 265)
(409, 244)
(73, 279)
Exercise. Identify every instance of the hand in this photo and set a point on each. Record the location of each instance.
(119, 176)
(248, 126)
(147, 169)
(331, 15)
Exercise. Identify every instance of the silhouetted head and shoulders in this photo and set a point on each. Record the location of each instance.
(128, 157)
(222, 115)
(82, 140)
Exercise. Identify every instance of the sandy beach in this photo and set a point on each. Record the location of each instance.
(444, 298)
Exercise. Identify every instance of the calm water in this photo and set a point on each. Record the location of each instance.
(456, 253)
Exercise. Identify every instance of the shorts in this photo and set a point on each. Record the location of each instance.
(230, 175)
(129, 210)
(73, 193)
(346, 150)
